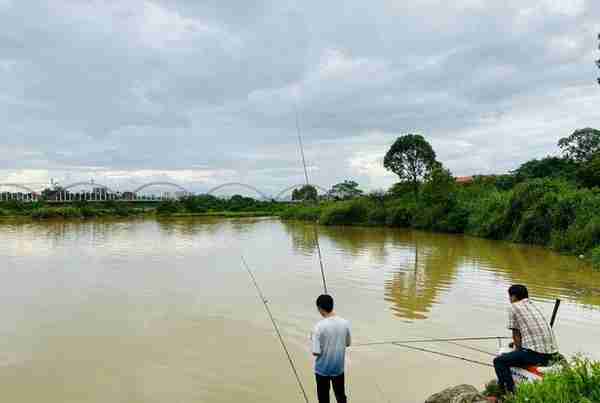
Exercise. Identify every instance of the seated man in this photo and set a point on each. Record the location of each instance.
(533, 339)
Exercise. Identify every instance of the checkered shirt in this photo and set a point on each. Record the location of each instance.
(536, 333)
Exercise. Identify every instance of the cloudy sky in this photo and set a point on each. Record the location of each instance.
(202, 92)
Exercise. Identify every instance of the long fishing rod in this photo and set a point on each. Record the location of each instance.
(413, 341)
(285, 349)
(316, 232)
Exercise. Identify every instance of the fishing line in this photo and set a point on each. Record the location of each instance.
(472, 348)
(457, 339)
(315, 231)
(458, 357)
(285, 349)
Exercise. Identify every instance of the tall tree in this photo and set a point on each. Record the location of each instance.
(306, 192)
(411, 157)
(581, 145)
(345, 190)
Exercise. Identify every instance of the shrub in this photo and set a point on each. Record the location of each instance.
(377, 215)
(576, 382)
(345, 213)
(487, 216)
(168, 207)
(58, 212)
(579, 237)
(400, 216)
(596, 258)
(455, 221)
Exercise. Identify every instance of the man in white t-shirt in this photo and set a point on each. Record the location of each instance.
(330, 338)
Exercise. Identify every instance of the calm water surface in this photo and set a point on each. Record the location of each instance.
(162, 311)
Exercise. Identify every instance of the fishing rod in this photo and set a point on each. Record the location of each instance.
(416, 341)
(285, 349)
(316, 232)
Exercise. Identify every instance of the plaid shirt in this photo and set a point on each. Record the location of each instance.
(536, 333)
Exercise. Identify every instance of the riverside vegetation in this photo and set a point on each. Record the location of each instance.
(236, 206)
(552, 202)
(576, 382)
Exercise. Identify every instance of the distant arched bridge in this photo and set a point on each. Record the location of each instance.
(102, 192)
(237, 184)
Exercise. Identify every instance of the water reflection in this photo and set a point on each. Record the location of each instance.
(421, 266)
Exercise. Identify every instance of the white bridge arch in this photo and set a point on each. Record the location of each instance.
(237, 184)
(170, 184)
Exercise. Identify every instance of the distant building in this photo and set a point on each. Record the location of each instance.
(464, 180)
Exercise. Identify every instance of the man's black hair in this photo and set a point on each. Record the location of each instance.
(325, 302)
(518, 291)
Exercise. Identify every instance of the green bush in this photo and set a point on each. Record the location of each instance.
(526, 197)
(400, 216)
(596, 258)
(377, 215)
(579, 238)
(168, 207)
(56, 212)
(487, 215)
(576, 382)
(345, 213)
(455, 220)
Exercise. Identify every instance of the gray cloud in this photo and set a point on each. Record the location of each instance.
(205, 91)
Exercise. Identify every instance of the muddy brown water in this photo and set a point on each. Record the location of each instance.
(162, 311)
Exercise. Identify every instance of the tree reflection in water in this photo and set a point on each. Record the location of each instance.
(421, 266)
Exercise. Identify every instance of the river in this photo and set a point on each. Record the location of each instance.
(163, 311)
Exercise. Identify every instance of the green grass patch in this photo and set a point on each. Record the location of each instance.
(576, 382)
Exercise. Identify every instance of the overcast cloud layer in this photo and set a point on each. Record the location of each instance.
(202, 92)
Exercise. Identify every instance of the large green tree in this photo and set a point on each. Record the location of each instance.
(345, 190)
(306, 192)
(412, 158)
(581, 145)
(549, 167)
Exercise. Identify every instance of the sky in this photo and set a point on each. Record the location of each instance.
(203, 92)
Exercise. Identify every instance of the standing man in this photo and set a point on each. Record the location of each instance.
(330, 338)
(533, 339)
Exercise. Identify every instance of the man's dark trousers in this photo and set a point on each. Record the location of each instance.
(338, 388)
(519, 358)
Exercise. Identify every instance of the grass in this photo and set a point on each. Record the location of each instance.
(576, 382)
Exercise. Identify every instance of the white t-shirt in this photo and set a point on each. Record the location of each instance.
(330, 338)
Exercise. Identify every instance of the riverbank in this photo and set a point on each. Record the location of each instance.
(575, 381)
(550, 213)
(44, 213)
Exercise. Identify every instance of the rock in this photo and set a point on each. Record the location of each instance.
(458, 394)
